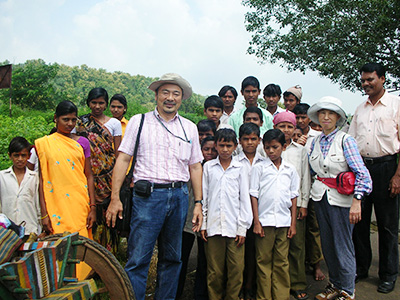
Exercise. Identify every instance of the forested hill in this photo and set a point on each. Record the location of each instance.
(41, 86)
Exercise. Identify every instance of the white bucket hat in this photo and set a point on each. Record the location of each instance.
(173, 79)
(329, 103)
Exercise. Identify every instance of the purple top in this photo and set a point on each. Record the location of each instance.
(84, 142)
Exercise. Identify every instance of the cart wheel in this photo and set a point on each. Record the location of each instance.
(105, 265)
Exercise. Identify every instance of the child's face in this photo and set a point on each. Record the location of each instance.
(273, 149)
(253, 118)
(302, 121)
(297, 134)
(250, 94)
(272, 101)
(204, 134)
(19, 159)
(315, 126)
(213, 113)
(209, 151)
(225, 149)
(290, 102)
(287, 128)
(249, 143)
(228, 99)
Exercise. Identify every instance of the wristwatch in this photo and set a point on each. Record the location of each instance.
(198, 201)
(359, 196)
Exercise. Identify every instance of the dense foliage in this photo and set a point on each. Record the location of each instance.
(333, 37)
(38, 87)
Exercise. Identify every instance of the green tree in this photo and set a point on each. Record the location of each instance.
(333, 37)
(31, 86)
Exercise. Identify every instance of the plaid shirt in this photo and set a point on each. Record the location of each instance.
(363, 184)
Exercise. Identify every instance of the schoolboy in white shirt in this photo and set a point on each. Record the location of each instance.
(274, 188)
(226, 217)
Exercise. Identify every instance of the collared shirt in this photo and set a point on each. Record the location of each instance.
(376, 128)
(247, 166)
(226, 204)
(21, 202)
(274, 188)
(164, 153)
(236, 120)
(310, 137)
(278, 110)
(296, 154)
(363, 183)
(225, 117)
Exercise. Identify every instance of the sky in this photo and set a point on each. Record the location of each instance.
(205, 41)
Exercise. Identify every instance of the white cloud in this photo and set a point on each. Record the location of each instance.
(203, 40)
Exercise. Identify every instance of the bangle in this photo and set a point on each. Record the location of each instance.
(42, 218)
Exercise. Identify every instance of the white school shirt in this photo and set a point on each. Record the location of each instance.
(226, 205)
(310, 137)
(274, 190)
(21, 202)
(296, 155)
(247, 166)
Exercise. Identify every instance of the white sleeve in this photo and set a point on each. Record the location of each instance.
(295, 184)
(255, 181)
(205, 196)
(114, 126)
(245, 214)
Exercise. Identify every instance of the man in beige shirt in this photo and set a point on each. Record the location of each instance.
(375, 126)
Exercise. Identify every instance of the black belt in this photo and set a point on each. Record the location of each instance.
(377, 160)
(176, 184)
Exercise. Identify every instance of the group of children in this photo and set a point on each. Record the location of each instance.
(256, 197)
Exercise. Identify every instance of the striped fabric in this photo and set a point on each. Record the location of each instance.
(81, 290)
(9, 242)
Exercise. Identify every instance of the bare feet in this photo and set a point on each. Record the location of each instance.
(318, 274)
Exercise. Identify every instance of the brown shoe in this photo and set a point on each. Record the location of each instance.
(330, 293)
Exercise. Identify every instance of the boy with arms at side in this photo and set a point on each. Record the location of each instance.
(226, 217)
(249, 139)
(313, 241)
(274, 189)
(296, 155)
(19, 186)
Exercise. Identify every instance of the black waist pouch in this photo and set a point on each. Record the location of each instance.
(143, 188)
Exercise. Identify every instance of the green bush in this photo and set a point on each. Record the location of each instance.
(29, 127)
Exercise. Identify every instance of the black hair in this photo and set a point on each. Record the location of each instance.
(18, 144)
(206, 125)
(207, 139)
(214, 101)
(301, 109)
(227, 88)
(227, 135)
(97, 93)
(248, 128)
(250, 80)
(253, 109)
(274, 134)
(299, 128)
(285, 94)
(65, 107)
(374, 67)
(121, 98)
(272, 90)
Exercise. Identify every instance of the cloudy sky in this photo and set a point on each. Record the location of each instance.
(203, 40)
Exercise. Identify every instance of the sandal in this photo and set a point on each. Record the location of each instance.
(299, 294)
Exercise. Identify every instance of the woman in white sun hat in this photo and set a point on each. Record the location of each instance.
(333, 152)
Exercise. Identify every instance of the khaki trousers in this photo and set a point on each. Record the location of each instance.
(313, 240)
(221, 253)
(273, 281)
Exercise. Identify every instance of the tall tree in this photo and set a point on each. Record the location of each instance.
(333, 37)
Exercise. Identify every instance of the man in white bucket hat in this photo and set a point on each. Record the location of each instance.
(168, 156)
(375, 126)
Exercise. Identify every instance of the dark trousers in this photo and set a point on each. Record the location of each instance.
(387, 217)
(187, 244)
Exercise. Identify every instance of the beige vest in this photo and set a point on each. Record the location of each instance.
(329, 167)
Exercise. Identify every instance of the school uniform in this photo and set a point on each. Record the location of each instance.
(274, 188)
(226, 214)
(296, 154)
